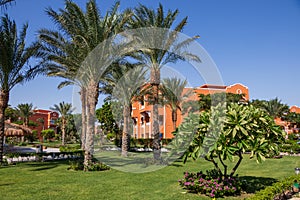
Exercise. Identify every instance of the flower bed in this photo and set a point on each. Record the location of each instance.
(210, 184)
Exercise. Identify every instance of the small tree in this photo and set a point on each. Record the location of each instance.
(48, 133)
(172, 95)
(106, 119)
(226, 133)
(65, 110)
(25, 110)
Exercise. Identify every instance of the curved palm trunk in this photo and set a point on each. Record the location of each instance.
(125, 135)
(83, 117)
(92, 98)
(155, 81)
(4, 97)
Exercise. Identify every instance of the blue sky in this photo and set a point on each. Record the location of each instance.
(253, 42)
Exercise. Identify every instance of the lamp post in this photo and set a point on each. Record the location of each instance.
(296, 184)
(297, 170)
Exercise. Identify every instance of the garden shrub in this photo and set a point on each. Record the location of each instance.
(48, 133)
(211, 184)
(69, 148)
(77, 165)
(275, 190)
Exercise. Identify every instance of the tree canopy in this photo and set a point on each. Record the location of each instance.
(225, 133)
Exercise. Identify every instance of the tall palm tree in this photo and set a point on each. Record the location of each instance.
(65, 110)
(25, 110)
(156, 57)
(83, 32)
(124, 92)
(172, 95)
(14, 67)
(62, 59)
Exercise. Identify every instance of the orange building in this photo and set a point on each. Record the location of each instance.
(45, 119)
(289, 127)
(141, 111)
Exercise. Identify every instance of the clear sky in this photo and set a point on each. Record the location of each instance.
(253, 42)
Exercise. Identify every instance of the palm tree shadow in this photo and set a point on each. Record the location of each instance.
(6, 184)
(40, 166)
(252, 184)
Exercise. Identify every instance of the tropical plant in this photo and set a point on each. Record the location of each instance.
(14, 65)
(293, 118)
(71, 133)
(208, 100)
(258, 103)
(173, 96)
(65, 110)
(71, 130)
(48, 133)
(79, 33)
(5, 3)
(106, 119)
(124, 92)
(210, 184)
(11, 114)
(25, 110)
(166, 49)
(274, 107)
(190, 106)
(226, 133)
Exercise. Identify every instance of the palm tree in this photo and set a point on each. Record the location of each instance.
(5, 3)
(156, 57)
(72, 52)
(25, 110)
(124, 92)
(172, 95)
(275, 108)
(65, 110)
(14, 67)
(62, 59)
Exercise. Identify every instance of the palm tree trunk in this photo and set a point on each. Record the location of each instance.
(174, 119)
(4, 97)
(125, 136)
(63, 131)
(26, 121)
(83, 117)
(155, 81)
(92, 98)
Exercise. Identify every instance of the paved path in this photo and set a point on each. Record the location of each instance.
(31, 149)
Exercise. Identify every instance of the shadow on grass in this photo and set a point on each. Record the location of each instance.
(40, 166)
(254, 184)
(6, 184)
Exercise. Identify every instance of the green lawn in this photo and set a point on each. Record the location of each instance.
(52, 180)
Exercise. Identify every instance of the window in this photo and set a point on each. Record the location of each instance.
(142, 102)
(134, 121)
(52, 121)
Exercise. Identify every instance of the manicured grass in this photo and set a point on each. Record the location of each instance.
(52, 180)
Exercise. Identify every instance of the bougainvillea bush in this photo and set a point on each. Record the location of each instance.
(210, 184)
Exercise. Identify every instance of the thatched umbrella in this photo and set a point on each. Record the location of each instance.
(17, 130)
